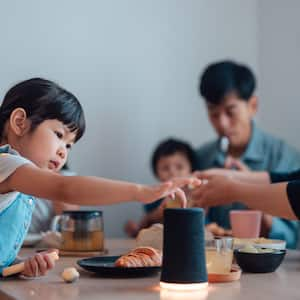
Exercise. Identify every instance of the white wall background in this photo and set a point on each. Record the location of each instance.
(134, 66)
(279, 62)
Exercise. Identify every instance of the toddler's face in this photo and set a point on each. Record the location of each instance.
(48, 145)
(175, 165)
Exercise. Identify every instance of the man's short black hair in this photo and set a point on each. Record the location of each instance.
(225, 77)
(170, 147)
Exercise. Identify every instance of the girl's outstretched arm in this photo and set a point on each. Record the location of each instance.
(33, 181)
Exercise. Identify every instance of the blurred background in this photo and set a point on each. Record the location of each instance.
(135, 66)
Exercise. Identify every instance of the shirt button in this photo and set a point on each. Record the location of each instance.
(30, 201)
(16, 246)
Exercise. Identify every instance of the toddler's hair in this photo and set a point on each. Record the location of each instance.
(170, 147)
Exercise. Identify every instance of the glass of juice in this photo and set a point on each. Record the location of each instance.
(219, 255)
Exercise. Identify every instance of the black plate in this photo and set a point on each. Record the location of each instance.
(104, 266)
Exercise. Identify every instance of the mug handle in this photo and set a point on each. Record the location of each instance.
(55, 224)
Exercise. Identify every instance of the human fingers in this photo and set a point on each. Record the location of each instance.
(204, 175)
(42, 263)
(239, 165)
(27, 269)
(182, 197)
(34, 267)
(228, 162)
(180, 182)
(49, 261)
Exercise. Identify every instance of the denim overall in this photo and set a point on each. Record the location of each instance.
(14, 223)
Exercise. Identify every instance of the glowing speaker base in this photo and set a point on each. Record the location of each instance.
(183, 286)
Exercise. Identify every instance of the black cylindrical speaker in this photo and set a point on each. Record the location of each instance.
(183, 247)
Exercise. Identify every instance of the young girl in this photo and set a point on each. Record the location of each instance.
(39, 123)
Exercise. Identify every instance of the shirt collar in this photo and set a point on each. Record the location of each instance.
(254, 150)
(6, 148)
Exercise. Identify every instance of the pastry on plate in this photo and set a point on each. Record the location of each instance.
(140, 257)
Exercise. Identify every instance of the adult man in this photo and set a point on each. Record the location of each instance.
(228, 90)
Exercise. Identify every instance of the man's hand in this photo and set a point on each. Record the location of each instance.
(216, 191)
(233, 163)
(209, 173)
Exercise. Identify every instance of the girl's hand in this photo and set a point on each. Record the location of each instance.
(147, 194)
(178, 196)
(216, 191)
(39, 264)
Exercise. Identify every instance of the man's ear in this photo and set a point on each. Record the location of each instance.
(19, 122)
(253, 105)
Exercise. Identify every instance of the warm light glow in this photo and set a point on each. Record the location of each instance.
(183, 286)
(194, 291)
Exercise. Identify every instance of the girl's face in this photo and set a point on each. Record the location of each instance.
(175, 165)
(48, 145)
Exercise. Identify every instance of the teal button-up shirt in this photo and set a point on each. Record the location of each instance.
(263, 153)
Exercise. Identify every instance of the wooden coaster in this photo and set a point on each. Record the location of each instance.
(234, 275)
(83, 253)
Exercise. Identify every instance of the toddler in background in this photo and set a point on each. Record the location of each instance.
(172, 158)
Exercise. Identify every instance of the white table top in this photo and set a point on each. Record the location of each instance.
(282, 284)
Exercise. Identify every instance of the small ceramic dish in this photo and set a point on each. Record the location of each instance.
(234, 275)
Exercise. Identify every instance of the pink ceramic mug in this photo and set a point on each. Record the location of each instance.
(245, 223)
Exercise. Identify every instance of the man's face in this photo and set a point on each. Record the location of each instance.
(232, 118)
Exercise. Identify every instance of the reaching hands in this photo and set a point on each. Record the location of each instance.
(39, 264)
(233, 168)
(150, 193)
(218, 182)
(216, 191)
(147, 194)
(210, 173)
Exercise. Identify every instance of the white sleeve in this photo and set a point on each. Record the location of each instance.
(9, 163)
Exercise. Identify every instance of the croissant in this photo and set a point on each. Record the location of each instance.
(140, 257)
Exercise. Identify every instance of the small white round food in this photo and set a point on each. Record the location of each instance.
(70, 275)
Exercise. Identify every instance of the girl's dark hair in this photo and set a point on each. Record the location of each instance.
(170, 147)
(43, 100)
